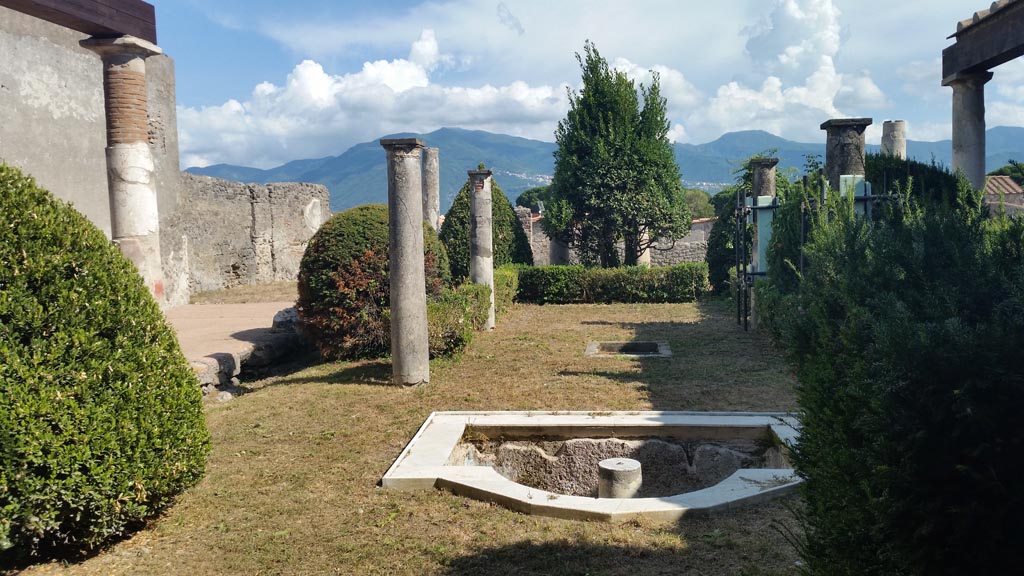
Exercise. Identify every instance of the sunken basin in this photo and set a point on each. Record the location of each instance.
(546, 463)
(635, 348)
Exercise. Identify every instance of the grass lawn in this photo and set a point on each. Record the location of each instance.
(291, 484)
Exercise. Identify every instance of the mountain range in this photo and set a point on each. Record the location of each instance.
(358, 176)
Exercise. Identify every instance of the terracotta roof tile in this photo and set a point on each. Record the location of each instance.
(1002, 185)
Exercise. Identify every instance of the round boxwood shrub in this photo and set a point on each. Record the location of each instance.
(343, 282)
(511, 245)
(101, 420)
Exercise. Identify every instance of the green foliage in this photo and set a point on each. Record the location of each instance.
(581, 285)
(1014, 170)
(506, 286)
(453, 317)
(906, 334)
(344, 288)
(511, 245)
(931, 183)
(615, 170)
(101, 419)
(698, 202)
(721, 254)
(530, 198)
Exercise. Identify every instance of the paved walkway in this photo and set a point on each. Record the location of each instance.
(218, 339)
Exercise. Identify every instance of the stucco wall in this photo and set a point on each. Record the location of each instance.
(53, 127)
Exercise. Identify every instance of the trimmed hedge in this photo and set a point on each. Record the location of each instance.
(579, 285)
(343, 282)
(511, 245)
(905, 334)
(506, 286)
(101, 418)
(455, 316)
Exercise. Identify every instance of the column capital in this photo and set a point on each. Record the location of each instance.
(840, 124)
(765, 163)
(402, 145)
(968, 79)
(121, 46)
(480, 174)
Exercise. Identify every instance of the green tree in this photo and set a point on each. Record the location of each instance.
(1014, 170)
(511, 245)
(699, 203)
(530, 198)
(615, 171)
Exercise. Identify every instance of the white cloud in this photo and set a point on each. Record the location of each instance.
(315, 113)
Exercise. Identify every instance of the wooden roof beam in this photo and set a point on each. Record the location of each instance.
(102, 18)
(993, 40)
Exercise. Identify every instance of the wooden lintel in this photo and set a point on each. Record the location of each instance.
(102, 18)
(995, 40)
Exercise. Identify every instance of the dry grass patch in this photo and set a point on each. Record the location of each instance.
(291, 486)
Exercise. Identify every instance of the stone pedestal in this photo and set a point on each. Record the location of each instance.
(481, 245)
(618, 478)
(844, 148)
(410, 353)
(432, 188)
(969, 126)
(894, 138)
(134, 216)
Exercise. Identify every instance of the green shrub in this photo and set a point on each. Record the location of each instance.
(454, 316)
(906, 335)
(510, 243)
(506, 286)
(101, 419)
(343, 282)
(577, 284)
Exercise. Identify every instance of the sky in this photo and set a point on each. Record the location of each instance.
(264, 82)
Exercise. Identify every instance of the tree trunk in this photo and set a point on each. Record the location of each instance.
(632, 249)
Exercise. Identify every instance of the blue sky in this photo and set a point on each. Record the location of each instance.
(263, 82)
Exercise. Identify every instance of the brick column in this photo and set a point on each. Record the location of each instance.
(134, 216)
(410, 347)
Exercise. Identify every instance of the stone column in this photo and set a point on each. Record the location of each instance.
(134, 216)
(844, 149)
(481, 246)
(644, 259)
(764, 176)
(969, 126)
(410, 353)
(432, 188)
(894, 138)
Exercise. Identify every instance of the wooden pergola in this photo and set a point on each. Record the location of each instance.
(98, 18)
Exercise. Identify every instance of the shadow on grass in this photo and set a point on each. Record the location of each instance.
(564, 558)
(715, 364)
(364, 372)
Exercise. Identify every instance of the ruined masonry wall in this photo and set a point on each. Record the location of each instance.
(242, 234)
(691, 248)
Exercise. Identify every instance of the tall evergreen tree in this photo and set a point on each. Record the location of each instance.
(615, 172)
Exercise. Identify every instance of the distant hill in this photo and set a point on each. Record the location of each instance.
(359, 175)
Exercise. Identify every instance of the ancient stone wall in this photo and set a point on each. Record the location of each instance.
(691, 248)
(241, 234)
